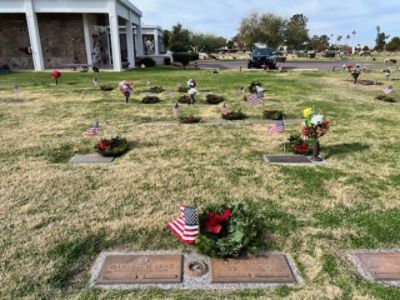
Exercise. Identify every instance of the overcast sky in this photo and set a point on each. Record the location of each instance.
(223, 17)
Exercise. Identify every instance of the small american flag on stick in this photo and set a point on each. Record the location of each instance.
(388, 90)
(277, 127)
(186, 227)
(16, 89)
(148, 83)
(224, 110)
(253, 99)
(91, 132)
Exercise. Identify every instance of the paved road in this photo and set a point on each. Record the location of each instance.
(307, 65)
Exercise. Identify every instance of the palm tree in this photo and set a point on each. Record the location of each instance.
(354, 38)
(347, 39)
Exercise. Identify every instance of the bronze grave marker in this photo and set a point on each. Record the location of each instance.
(288, 159)
(381, 266)
(141, 269)
(273, 268)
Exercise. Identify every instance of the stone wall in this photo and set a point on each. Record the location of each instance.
(62, 39)
(14, 42)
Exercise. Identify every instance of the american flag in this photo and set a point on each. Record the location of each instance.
(92, 132)
(253, 99)
(277, 127)
(149, 83)
(171, 94)
(388, 90)
(175, 109)
(186, 227)
(16, 89)
(95, 82)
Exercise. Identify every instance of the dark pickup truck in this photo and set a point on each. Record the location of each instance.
(260, 57)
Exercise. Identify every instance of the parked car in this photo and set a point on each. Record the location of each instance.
(262, 56)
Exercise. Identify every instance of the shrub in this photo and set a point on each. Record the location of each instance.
(214, 99)
(312, 55)
(167, 61)
(189, 119)
(106, 88)
(156, 89)
(271, 114)
(281, 59)
(114, 147)
(147, 61)
(234, 115)
(385, 98)
(330, 54)
(182, 57)
(241, 233)
(195, 56)
(150, 100)
(185, 99)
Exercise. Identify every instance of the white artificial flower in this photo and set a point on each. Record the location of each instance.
(259, 89)
(192, 91)
(317, 119)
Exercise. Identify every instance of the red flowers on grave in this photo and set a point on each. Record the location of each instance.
(214, 220)
(56, 75)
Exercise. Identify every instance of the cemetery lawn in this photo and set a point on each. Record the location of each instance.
(55, 218)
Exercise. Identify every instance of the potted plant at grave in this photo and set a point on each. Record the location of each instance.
(314, 127)
(230, 230)
(272, 114)
(156, 89)
(355, 73)
(300, 146)
(233, 115)
(126, 88)
(189, 119)
(113, 147)
(150, 99)
(106, 88)
(185, 99)
(56, 75)
(214, 99)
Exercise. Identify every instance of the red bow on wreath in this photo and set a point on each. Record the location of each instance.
(213, 222)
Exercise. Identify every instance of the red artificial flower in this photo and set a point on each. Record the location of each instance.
(303, 149)
(55, 74)
(103, 145)
(213, 222)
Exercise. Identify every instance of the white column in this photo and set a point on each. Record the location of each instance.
(88, 41)
(114, 33)
(139, 39)
(156, 46)
(34, 36)
(129, 41)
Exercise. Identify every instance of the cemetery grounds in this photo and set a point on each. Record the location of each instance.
(55, 218)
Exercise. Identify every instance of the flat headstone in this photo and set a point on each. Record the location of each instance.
(91, 159)
(379, 266)
(272, 268)
(140, 269)
(295, 160)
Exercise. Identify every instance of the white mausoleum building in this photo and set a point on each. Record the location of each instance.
(46, 34)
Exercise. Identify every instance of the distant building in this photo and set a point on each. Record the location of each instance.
(47, 34)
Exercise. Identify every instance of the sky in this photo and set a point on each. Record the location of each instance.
(222, 17)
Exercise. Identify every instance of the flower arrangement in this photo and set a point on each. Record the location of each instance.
(191, 83)
(156, 89)
(355, 73)
(186, 99)
(183, 89)
(189, 119)
(56, 75)
(253, 87)
(126, 88)
(106, 88)
(385, 98)
(214, 99)
(150, 99)
(113, 147)
(233, 115)
(271, 114)
(230, 231)
(313, 128)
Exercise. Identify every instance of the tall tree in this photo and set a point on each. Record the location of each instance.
(393, 45)
(319, 43)
(266, 28)
(380, 41)
(297, 31)
(207, 42)
(179, 38)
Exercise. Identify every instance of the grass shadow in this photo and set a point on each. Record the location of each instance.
(344, 149)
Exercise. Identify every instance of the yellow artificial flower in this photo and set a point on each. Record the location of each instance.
(307, 112)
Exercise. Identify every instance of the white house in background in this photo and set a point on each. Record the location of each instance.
(46, 34)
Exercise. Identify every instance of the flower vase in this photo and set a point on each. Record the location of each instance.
(192, 99)
(126, 99)
(316, 151)
(355, 76)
